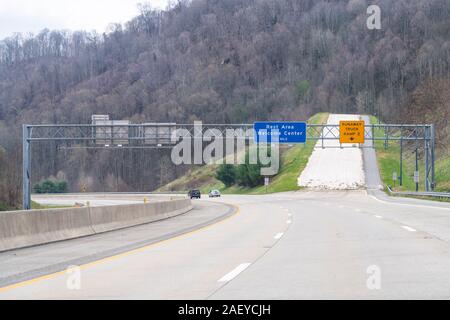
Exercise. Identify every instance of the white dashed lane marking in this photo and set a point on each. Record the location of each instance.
(409, 229)
(234, 273)
(278, 236)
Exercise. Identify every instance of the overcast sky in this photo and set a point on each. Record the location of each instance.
(34, 15)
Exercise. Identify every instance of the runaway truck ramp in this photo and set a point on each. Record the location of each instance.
(331, 167)
(19, 229)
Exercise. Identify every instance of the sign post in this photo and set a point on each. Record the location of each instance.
(394, 177)
(266, 182)
(351, 131)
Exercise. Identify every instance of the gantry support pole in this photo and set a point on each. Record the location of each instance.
(433, 157)
(26, 167)
(430, 159)
(401, 159)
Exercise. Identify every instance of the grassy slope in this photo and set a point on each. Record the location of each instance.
(389, 162)
(202, 178)
(293, 161)
(38, 206)
(443, 173)
(3, 207)
(34, 206)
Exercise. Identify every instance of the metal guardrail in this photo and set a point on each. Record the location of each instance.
(420, 194)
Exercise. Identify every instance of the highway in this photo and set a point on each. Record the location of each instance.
(310, 244)
(295, 245)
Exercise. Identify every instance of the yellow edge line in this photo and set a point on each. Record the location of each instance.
(118, 256)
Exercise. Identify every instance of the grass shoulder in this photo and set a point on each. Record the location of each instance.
(38, 206)
(388, 156)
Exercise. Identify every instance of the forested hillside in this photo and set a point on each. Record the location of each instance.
(217, 61)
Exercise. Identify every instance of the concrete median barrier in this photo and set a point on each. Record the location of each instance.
(20, 229)
(117, 217)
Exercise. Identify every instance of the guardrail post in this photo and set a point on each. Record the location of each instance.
(26, 168)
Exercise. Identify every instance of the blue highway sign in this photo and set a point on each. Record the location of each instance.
(286, 132)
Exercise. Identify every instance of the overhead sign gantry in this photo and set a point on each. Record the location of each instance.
(104, 133)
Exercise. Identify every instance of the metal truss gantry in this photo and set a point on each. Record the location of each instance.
(159, 135)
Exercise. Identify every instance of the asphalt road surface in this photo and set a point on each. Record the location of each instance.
(298, 245)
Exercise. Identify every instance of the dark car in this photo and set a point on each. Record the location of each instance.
(194, 194)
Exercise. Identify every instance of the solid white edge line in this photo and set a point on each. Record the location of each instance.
(234, 273)
(289, 222)
(378, 217)
(409, 229)
(407, 204)
(278, 236)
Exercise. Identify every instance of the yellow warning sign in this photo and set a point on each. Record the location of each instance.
(351, 131)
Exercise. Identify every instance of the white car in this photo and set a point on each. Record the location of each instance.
(214, 194)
